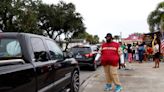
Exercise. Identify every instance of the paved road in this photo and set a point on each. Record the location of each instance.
(142, 78)
(86, 73)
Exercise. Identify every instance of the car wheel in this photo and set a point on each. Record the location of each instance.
(75, 82)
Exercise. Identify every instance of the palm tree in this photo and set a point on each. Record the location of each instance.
(155, 18)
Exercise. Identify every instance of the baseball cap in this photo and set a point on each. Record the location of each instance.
(108, 35)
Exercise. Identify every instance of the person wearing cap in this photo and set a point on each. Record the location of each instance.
(110, 54)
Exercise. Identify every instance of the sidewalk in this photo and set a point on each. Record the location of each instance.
(142, 78)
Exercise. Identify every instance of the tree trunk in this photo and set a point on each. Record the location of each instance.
(50, 35)
(59, 33)
(67, 41)
(5, 21)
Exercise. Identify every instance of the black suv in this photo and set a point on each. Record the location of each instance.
(85, 55)
(33, 63)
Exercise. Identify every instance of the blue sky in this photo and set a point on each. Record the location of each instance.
(114, 16)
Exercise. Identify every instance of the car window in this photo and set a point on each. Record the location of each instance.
(37, 44)
(82, 50)
(94, 48)
(39, 49)
(55, 51)
(9, 48)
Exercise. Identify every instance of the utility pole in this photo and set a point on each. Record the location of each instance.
(121, 36)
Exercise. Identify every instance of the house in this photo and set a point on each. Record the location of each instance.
(133, 38)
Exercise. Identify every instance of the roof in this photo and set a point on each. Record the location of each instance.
(15, 34)
(133, 37)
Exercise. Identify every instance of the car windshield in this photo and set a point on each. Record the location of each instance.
(82, 50)
(94, 48)
(9, 48)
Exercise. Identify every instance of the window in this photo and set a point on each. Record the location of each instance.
(54, 50)
(81, 50)
(37, 44)
(10, 48)
(94, 48)
(39, 49)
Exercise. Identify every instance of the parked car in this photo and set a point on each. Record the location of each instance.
(85, 55)
(33, 63)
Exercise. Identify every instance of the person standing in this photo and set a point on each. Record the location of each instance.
(130, 57)
(109, 59)
(126, 53)
(155, 46)
(141, 51)
(133, 51)
(145, 53)
(122, 59)
(136, 53)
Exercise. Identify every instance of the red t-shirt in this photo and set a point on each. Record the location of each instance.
(109, 54)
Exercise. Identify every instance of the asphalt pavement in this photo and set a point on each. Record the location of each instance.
(85, 74)
(139, 78)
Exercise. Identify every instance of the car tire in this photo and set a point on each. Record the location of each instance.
(75, 82)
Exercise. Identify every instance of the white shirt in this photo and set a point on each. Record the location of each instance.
(156, 48)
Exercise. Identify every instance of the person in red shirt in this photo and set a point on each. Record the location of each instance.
(110, 59)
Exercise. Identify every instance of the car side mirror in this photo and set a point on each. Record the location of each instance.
(41, 56)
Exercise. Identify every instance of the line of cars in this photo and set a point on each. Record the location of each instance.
(33, 63)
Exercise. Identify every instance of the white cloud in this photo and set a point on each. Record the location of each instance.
(115, 16)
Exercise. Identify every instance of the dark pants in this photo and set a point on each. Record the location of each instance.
(141, 56)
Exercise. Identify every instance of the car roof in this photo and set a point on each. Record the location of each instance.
(15, 34)
(82, 46)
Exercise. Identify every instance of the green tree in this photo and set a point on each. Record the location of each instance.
(156, 17)
(19, 15)
(92, 39)
(60, 19)
(89, 38)
(73, 21)
(46, 19)
(80, 35)
(33, 16)
(7, 13)
(95, 39)
(117, 37)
